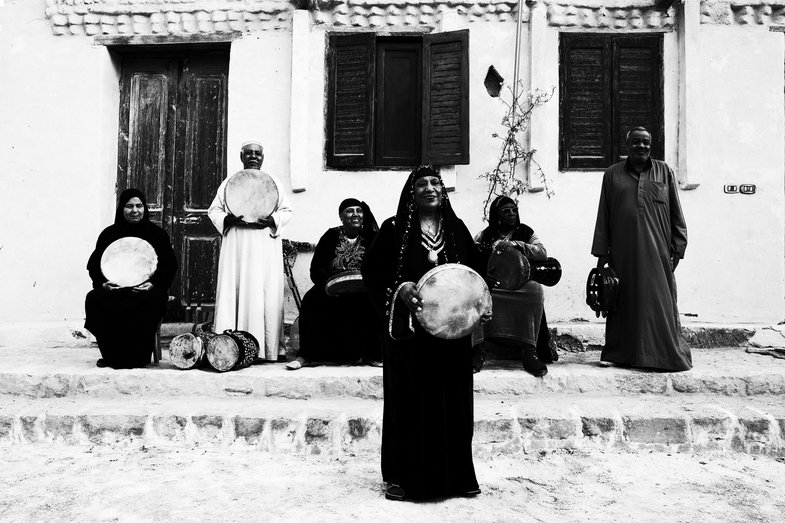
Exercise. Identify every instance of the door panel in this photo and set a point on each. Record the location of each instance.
(199, 172)
(172, 146)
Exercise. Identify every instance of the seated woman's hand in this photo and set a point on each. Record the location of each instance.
(142, 287)
(486, 317)
(107, 286)
(409, 295)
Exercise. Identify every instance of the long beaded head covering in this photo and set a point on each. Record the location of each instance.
(408, 220)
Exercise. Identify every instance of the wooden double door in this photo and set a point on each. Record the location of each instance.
(172, 146)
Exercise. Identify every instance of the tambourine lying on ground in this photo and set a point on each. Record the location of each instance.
(454, 298)
(346, 282)
(128, 261)
(232, 350)
(251, 194)
(187, 351)
(512, 269)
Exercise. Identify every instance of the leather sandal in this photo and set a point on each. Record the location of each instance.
(395, 493)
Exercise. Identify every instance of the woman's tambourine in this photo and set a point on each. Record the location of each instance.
(454, 298)
(128, 261)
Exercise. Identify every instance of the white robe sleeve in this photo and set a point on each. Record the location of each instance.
(217, 211)
(283, 212)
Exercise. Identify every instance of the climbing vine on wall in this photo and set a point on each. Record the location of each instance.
(515, 159)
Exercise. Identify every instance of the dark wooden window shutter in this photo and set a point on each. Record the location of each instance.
(445, 132)
(585, 89)
(608, 84)
(637, 91)
(350, 100)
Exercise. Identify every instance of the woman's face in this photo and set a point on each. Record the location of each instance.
(428, 192)
(133, 211)
(352, 219)
(507, 215)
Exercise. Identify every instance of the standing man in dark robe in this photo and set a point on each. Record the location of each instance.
(641, 233)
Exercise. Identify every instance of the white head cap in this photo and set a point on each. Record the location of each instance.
(251, 142)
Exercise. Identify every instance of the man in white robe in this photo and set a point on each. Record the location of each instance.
(250, 289)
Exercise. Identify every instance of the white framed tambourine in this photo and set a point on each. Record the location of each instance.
(129, 261)
(251, 194)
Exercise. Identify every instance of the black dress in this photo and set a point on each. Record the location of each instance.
(125, 322)
(343, 328)
(521, 233)
(428, 381)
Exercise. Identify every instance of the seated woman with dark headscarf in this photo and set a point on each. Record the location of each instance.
(521, 323)
(124, 320)
(428, 390)
(341, 326)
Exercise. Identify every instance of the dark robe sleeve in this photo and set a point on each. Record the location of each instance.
(167, 262)
(94, 262)
(323, 257)
(379, 265)
(601, 244)
(678, 225)
(471, 252)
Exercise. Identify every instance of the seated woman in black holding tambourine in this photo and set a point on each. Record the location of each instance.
(519, 317)
(337, 320)
(132, 267)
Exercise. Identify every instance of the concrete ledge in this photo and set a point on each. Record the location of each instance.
(53, 373)
(578, 336)
(352, 427)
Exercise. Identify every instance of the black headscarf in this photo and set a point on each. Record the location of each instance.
(407, 221)
(125, 196)
(146, 230)
(492, 231)
(369, 227)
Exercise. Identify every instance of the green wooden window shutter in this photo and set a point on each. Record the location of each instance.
(350, 99)
(445, 131)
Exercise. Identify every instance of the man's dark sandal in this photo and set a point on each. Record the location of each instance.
(101, 363)
(395, 493)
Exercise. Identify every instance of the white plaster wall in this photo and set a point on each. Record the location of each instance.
(59, 98)
(57, 163)
(733, 270)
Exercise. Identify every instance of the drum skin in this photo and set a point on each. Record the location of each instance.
(509, 267)
(186, 351)
(346, 282)
(232, 350)
(251, 194)
(454, 298)
(128, 261)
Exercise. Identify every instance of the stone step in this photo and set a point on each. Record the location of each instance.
(46, 373)
(509, 426)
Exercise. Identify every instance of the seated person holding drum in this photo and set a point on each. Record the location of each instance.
(132, 267)
(337, 320)
(519, 319)
(428, 392)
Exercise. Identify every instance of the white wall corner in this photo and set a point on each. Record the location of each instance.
(451, 20)
(689, 156)
(299, 143)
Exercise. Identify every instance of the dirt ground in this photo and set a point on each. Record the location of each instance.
(47, 483)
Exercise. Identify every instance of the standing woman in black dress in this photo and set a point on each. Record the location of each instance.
(428, 389)
(124, 320)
